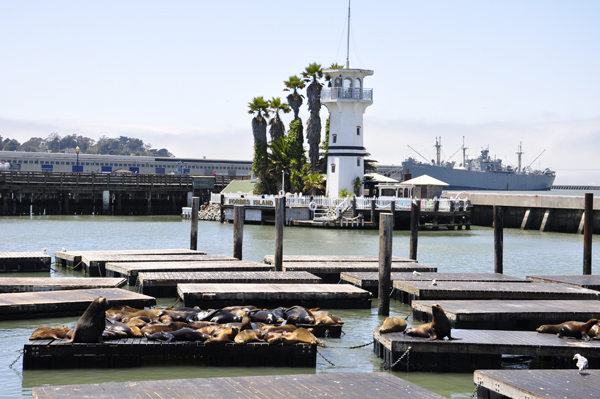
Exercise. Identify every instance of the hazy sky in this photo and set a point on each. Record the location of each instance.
(180, 74)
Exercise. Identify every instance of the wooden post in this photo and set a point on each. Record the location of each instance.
(386, 232)
(498, 239)
(415, 216)
(279, 219)
(221, 209)
(238, 230)
(354, 206)
(588, 229)
(194, 234)
(373, 204)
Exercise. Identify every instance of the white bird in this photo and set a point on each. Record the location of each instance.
(44, 250)
(582, 362)
(64, 250)
(434, 282)
(416, 274)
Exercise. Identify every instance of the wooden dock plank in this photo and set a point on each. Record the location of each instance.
(130, 270)
(370, 280)
(338, 385)
(509, 314)
(330, 271)
(22, 305)
(72, 258)
(320, 295)
(591, 282)
(406, 291)
(24, 262)
(165, 283)
(537, 384)
(30, 284)
(270, 259)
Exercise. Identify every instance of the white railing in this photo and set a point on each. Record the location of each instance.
(346, 93)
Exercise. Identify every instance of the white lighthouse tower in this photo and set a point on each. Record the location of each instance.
(346, 100)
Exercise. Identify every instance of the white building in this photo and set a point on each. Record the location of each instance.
(346, 100)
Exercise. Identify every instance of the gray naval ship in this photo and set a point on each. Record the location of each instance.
(482, 173)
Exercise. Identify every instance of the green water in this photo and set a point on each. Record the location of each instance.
(525, 253)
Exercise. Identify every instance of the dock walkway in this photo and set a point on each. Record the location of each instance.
(32, 284)
(370, 280)
(509, 314)
(29, 305)
(309, 386)
(407, 291)
(161, 284)
(327, 296)
(477, 349)
(24, 262)
(131, 270)
(136, 352)
(591, 282)
(330, 272)
(536, 384)
(72, 259)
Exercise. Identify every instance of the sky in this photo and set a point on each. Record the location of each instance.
(180, 74)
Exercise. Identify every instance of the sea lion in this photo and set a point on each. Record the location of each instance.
(283, 328)
(437, 329)
(47, 332)
(273, 337)
(152, 314)
(115, 330)
(240, 310)
(136, 332)
(298, 314)
(178, 315)
(172, 326)
(204, 315)
(245, 336)
(184, 334)
(199, 324)
(263, 316)
(222, 336)
(90, 325)
(299, 335)
(576, 329)
(552, 328)
(393, 324)
(594, 331)
(324, 321)
(321, 313)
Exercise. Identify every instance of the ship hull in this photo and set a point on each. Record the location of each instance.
(462, 179)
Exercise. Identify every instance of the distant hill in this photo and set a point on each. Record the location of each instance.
(104, 146)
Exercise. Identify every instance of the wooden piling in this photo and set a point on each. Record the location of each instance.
(588, 227)
(194, 234)
(386, 232)
(238, 231)
(415, 215)
(373, 203)
(279, 220)
(498, 238)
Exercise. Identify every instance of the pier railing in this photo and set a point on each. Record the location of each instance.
(346, 93)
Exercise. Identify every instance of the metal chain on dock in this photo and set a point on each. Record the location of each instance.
(176, 302)
(388, 367)
(409, 313)
(392, 291)
(327, 360)
(474, 392)
(17, 359)
(351, 347)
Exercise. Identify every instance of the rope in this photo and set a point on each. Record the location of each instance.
(20, 351)
(387, 367)
(327, 360)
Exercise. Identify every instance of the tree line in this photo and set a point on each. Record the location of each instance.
(104, 145)
(285, 153)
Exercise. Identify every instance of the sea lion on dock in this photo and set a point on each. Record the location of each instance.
(152, 314)
(300, 335)
(243, 337)
(576, 329)
(222, 336)
(47, 332)
(298, 314)
(393, 324)
(90, 325)
(184, 334)
(114, 329)
(121, 309)
(437, 329)
(263, 316)
(552, 328)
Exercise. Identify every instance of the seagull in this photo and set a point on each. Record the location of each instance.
(416, 274)
(44, 250)
(434, 282)
(64, 250)
(582, 362)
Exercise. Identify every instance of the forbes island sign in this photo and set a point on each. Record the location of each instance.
(251, 201)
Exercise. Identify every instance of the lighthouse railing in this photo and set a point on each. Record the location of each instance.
(346, 93)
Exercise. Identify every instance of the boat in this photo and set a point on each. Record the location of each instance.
(481, 173)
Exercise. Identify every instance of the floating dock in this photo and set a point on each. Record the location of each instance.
(308, 386)
(161, 284)
(72, 259)
(591, 282)
(31, 305)
(536, 384)
(24, 262)
(270, 259)
(33, 284)
(370, 280)
(509, 314)
(481, 349)
(407, 291)
(130, 270)
(330, 272)
(95, 264)
(326, 296)
(136, 352)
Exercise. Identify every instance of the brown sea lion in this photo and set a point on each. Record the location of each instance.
(172, 326)
(243, 337)
(552, 328)
(324, 321)
(200, 324)
(152, 314)
(393, 324)
(273, 337)
(47, 332)
(283, 328)
(437, 329)
(299, 335)
(240, 310)
(577, 329)
(137, 322)
(121, 309)
(320, 313)
(136, 332)
(90, 325)
(594, 331)
(298, 314)
(222, 336)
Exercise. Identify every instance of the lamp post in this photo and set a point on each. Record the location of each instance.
(77, 149)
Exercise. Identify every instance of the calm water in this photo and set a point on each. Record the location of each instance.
(525, 253)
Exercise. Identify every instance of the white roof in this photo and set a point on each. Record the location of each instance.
(425, 180)
(377, 178)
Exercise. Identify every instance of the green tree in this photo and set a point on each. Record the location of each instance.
(277, 129)
(34, 144)
(313, 182)
(356, 186)
(259, 107)
(11, 145)
(312, 73)
(294, 99)
(343, 193)
(296, 154)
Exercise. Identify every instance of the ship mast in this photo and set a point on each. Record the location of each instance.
(348, 40)
(519, 153)
(438, 150)
(464, 154)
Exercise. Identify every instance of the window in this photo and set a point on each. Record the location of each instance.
(87, 163)
(332, 168)
(36, 162)
(358, 130)
(62, 163)
(335, 138)
(358, 161)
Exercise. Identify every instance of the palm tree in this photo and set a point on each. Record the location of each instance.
(278, 162)
(277, 129)
(356, 186)
(313, 181)
(313, 72)
(294, 99)
(260, 107)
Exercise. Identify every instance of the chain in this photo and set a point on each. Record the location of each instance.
(327, 360)
(392, 291)
(176, 302)
(474, 392)
(17, 359)
(351, 347)
(409, 313)
(386, 367)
